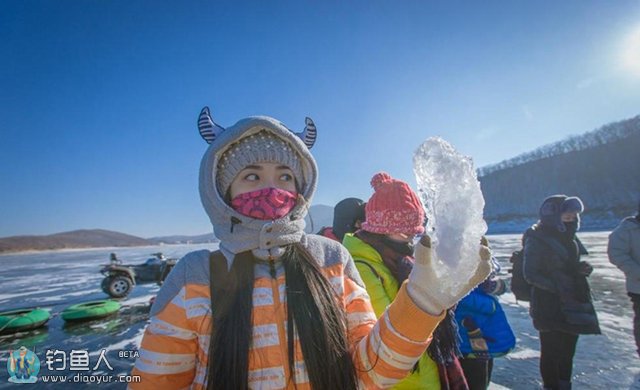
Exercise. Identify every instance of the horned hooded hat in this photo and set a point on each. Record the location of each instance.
(254, 140)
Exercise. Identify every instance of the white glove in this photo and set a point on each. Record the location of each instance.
(425, 288)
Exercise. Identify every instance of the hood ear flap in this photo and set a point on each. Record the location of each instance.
(308, 135)
(209, 130)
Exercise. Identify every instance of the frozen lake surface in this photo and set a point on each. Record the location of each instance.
(58, 279)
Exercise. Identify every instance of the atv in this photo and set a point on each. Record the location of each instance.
(120, 278)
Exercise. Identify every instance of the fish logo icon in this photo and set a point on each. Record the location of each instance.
(23, 366)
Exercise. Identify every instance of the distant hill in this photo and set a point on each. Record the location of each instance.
(318, 217)
(95, 238)
(602, 167)
(321, 215)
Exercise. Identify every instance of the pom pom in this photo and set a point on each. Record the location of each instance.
(379, 178)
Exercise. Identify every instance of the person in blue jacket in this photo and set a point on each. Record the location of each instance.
(484, 330)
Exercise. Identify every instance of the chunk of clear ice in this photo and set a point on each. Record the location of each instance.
(450, 191)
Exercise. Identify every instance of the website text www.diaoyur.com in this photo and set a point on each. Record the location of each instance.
(93, 379)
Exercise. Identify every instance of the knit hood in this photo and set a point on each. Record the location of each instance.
(236, 232)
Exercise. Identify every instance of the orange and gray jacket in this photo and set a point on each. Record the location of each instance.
(173, 352)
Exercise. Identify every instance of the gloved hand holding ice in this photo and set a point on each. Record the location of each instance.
(450, 191)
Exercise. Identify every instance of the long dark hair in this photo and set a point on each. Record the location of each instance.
(444, 347)
(231, 307)
(313, 309)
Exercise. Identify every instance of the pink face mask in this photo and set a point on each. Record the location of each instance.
(265, 204)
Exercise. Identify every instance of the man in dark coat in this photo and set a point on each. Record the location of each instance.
(561, 305)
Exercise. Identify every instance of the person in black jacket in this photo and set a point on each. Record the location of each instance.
(348, 215)
(561, 306)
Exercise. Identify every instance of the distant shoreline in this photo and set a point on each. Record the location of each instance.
(114, 248)
(86, 239)
(79, 249)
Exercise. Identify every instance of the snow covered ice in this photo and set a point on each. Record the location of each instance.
(608, 361)
(450, 191)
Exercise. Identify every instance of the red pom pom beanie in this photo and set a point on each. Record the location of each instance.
(393, 207)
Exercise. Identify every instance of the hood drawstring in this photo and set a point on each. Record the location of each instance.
(234, 222)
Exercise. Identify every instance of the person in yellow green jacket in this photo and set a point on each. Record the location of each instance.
(382, 251)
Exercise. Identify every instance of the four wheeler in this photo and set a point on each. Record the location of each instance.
(120, 278)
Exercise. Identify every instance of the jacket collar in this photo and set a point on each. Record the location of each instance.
(360, 249)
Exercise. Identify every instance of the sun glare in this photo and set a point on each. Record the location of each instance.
(631, 52)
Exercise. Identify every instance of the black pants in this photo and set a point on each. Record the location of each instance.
(635, 298)
(556, 357)
(477, 372)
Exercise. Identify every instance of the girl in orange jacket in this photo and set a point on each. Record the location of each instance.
(274, 307)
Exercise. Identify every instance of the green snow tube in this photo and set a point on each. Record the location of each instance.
(90, 310)
(22, 319)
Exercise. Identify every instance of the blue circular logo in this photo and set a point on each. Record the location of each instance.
(23, 366)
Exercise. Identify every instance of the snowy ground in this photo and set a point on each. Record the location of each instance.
(60, 278)
(57, 279)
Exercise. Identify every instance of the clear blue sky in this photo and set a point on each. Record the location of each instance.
(99, 99)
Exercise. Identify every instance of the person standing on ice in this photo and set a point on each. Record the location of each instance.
(383, 253)
(624, 253)
(348, 215)
(561, 305)
(275, 307)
